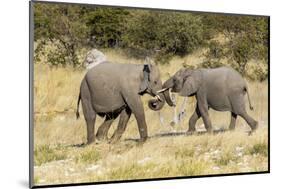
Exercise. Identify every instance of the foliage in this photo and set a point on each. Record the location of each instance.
(106, 26)
(257, 71)
(63, 23)
(247, 38)
(211, 64)
(156, 34)
(216, 50)
(259, 148)
(161, 34)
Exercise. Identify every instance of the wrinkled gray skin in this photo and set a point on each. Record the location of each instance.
(110, 90)
(221, 89)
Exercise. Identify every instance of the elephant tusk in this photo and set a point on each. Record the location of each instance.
(158, 98)
(162, 90)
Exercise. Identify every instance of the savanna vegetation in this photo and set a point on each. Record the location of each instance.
(63, 35)
(227, 39)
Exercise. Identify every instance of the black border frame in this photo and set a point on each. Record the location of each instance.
(31, 100)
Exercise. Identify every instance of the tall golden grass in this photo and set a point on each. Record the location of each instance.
(57, 133)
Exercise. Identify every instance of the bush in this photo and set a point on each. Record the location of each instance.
(257, 71)
(211, 64)
(52, 53)
(107, 26)
(157, 34)
(259, 148)
(163, 34)
(64, 24)
(216, 50)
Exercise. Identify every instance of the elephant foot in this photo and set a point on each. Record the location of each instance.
(255, 126)
(101, 138)
(90, 141)
(190, 132)
(114, 140)
(143, 139)
(210, 131)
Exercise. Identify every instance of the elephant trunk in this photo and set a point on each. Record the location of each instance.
(157, 104)
(168, 85)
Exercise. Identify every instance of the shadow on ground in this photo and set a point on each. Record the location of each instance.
(182, 133)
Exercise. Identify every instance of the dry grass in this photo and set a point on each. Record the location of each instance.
(58, 159)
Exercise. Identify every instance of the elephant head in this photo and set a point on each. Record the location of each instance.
(186, 82)
(150, 84)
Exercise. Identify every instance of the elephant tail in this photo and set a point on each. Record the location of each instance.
(249, 100)
(77, 110)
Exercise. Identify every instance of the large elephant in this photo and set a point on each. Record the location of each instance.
(111, 89)
(221, 89)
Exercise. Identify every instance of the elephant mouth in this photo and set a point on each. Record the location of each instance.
(157, 102)
(153, 104)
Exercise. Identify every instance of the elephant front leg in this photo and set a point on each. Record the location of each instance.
(136, 106)
(123, 121)
(203, 108)
(193, 119)
(232, 121)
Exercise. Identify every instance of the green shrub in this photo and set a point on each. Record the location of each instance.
(259, 148)
(211, 64)
(257, 71)
(157, 34)
(215, 50)
(106, 26)
(161, 34)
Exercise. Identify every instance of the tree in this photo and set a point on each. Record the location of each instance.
(247, 37)
(173, 33)
(106, 26)
(63, 23)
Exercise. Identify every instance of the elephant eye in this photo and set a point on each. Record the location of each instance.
(155, 82)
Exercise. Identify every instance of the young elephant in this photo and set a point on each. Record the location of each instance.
(222, 89)
(111, 89)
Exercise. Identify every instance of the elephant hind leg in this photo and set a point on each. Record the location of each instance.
(251, 122)
(88, 111)
(104, 128)
(123, 121)
(232, 121)
(193, 119)
(238, 107)
(90, 118)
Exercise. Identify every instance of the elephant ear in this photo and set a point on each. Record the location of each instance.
(145, 79)
(189, 87)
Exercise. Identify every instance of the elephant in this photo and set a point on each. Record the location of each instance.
(222, 89)
(112, 89)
